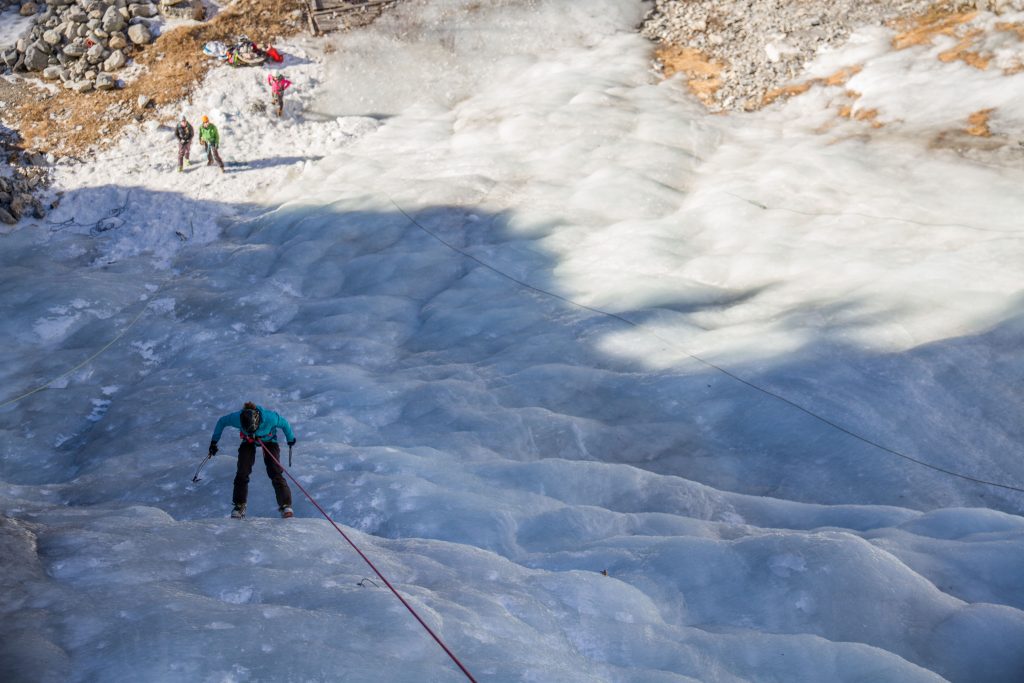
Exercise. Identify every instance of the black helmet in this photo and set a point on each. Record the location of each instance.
(251, 420)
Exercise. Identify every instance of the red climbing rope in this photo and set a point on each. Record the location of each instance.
(387, 583)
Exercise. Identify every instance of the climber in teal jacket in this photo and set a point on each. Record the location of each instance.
(256, 424)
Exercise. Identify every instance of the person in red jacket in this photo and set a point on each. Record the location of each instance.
(278, 84)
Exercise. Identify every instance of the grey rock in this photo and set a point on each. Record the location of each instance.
(139, 34)
(742, 33)
(75, 49)
(82, 86)
(115, 61)
(28, 9)
(36, 59)
(94, 55)
(6, 217)
(145, 10)
(105, 81)
(112, 20)
(53, 73)
(20, 203)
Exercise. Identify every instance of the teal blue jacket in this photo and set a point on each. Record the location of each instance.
(267, 431)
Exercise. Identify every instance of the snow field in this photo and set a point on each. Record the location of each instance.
(494, 448)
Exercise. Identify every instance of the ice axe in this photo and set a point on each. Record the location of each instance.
(195, 477)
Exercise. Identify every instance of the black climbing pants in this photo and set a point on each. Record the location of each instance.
(211, 154)
(246, 459)
(184, 147)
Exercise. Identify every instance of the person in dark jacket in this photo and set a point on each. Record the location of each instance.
(257, 425)
(184, 132)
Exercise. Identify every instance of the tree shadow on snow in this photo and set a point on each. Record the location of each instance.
(449, 292)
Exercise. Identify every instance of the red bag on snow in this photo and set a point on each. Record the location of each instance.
(273, 54)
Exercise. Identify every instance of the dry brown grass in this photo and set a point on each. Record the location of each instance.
(943, 20)
(977, 123)
(174, 64)
(921, 29)
(869, 116)
(702, 72)
(838, 78)
(962, 52)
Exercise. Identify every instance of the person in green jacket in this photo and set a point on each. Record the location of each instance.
(210, 139)
(257, 426)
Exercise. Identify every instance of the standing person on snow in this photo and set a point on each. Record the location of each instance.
(278, 84)
(254, 422)
(184, 132)
(210, 139)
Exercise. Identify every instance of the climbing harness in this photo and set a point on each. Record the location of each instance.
(376, 571)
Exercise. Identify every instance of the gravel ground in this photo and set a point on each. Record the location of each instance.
(763, 44)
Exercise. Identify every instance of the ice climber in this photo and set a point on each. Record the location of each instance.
(256, 424)
(184, 132)
(278, 84)
(210, 139)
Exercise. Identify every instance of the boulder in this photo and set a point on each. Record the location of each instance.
(6, 217)
(112, 20)
(139, 34)
(183, 9)
(999, 6)
(20, 203)
(118, 41)
(75, 49)
(81, 87)
(53, 73)
(145, 10)
(51, 37)
(29, 9)
(94, 55)
(36, 59)
(115, 61)
(105, 81)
